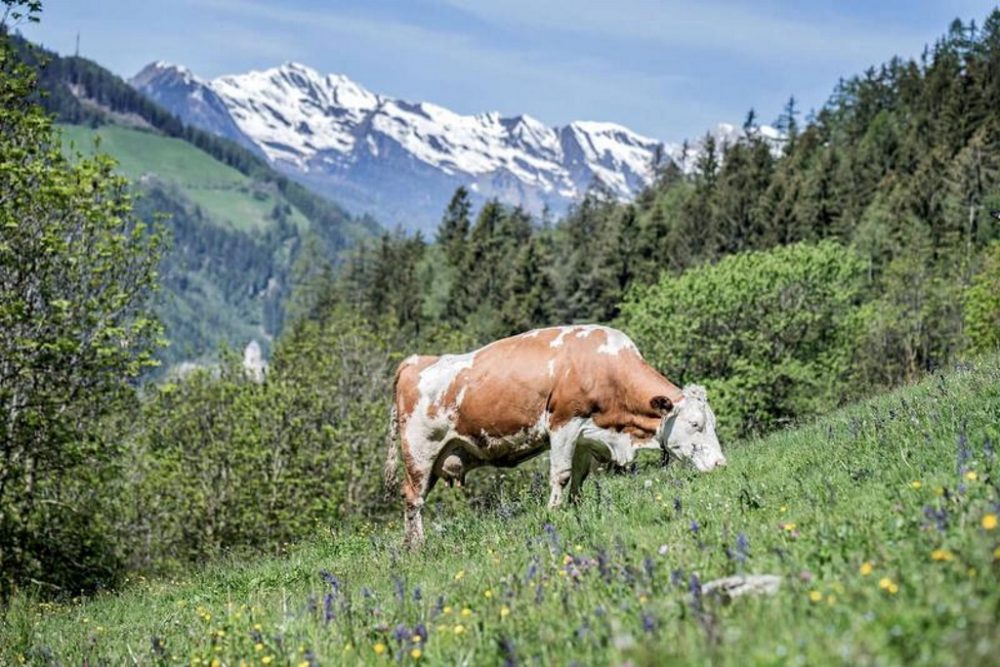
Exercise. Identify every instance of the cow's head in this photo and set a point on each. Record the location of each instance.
(688, 429)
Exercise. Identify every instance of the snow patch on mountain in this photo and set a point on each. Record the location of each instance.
(400, 159)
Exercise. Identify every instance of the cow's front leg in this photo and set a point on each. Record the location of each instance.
(561, 464)
(582, 460)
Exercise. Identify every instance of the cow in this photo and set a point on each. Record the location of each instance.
(583, 392)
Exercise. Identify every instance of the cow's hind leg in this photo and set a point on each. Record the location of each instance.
(415, 490)
(419, 481)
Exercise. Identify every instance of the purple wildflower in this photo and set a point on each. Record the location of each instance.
(988, 451)
(400, 588)
(742, 547)
(330, 579)
(648, 567)
(328, 613)
(401, 633)
(695, 589)
(539, 594)
(420, 631)
(694, 527)
(964, 453)
(648, 622)
(438, 607)
(677, 577)
(417, 594)
(677, 505)
(507, 650)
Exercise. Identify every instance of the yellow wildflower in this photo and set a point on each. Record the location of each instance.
(446, 610)
(884, 583)
(989, 521)
(258, 627)
(866, 568)
(416, 639)
(643, 599)
(258, 647)
(815, 596)
(466, 612)
(304, 663)
(971, 476)
(267, 659)
(941, 555)
(938, 490)
(789, 527)
(459, 575)
(379, 648)
(487, 594)
(996, 554)
(504, 611)
(893, 589)
(916, 484)
(416, 653)
(459, 629)
(831, 599)
(216, 662)
(567, 559)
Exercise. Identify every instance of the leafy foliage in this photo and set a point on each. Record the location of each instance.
(771, 333)
(76, 268)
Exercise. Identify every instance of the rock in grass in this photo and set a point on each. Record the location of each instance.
(729, 588)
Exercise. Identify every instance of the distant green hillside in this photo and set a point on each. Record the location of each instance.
(237, 224)
(222, 192)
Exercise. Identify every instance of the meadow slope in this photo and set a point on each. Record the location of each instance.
(880, 517)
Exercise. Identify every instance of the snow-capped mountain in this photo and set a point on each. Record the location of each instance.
(403, 160)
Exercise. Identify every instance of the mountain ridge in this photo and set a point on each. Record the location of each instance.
(401, 160)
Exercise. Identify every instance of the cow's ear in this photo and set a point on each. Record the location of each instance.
(661, 404)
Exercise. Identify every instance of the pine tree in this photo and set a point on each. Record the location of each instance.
(454, 228)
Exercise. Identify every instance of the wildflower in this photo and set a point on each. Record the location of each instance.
(971, 476)
(567, 559)
(446, 610)
(659, 497)
(788, 527)
(258, 647)
(866, 568)
(215, 663)
(831, 599)
(487, 594)
(458, 629)
(941, 555)
(916, 484)
(663, 550)
(694, 527)
(996, 554)
(989, 521)
(267, 659)
(466, 612)
(416, 653)
(504, 611)
(888, 585)
(938, 490)
(815, 596)
(379, 648)
(420, 633)
(648, 623)
(459, 575)
(783, 509)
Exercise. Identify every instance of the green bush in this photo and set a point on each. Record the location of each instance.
(221, 462)
(982, 303)
(770, 334)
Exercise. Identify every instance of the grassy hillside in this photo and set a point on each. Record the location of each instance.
(223, 193)
(881, 519)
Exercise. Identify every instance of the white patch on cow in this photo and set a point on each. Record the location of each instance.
(616, 342)
(412, 359)
(460, 397)
(606, 444)
(558, 340)
(534, 333)
(552, 367)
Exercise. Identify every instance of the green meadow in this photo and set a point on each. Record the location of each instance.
(880, 518)
(223, 194)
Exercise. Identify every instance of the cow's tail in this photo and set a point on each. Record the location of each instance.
(390, 473)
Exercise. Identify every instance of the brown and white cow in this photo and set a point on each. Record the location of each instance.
(581, 391)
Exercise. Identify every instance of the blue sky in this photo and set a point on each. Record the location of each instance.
(666, 69)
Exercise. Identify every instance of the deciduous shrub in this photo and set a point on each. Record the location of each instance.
(771, 334)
